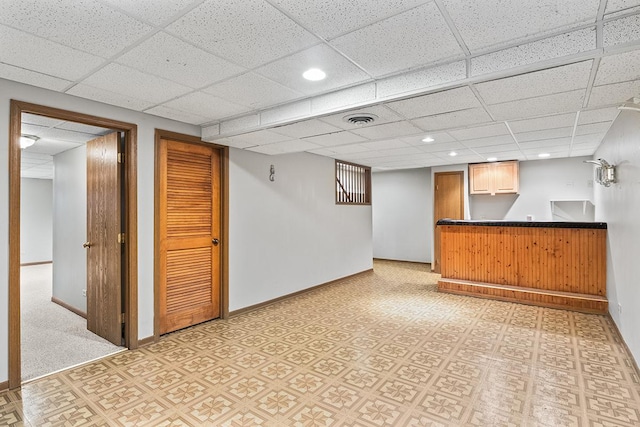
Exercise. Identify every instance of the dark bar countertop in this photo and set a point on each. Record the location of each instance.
(535, 224)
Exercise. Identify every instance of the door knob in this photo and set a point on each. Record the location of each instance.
(215, 242)
(86, 245)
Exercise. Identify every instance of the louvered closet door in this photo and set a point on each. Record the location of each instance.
(189, 234)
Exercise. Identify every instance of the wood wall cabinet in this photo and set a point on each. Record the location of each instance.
(494, 178)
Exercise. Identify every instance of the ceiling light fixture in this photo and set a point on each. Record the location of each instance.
(27, 141)
(428, 139)
(633, 105)
(314, 74)
(543, 155)
(492, 159)
(453, 154)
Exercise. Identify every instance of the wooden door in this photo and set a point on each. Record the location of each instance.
(104, 249)
(189, 234)
(448, 202)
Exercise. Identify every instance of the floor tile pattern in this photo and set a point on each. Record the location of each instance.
(381, 349)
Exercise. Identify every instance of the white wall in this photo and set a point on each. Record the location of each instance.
(402, 203)
(70, 227)
(540, 182)
(289, 235)
(36, 197)
(618, 206)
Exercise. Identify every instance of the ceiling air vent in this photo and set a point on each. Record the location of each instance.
(360, 119)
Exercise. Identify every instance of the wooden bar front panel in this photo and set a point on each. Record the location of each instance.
(571, 260)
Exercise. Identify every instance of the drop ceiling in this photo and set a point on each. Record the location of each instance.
(498, 78)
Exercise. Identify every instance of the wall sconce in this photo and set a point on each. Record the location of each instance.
(272, 173)
(605, 173)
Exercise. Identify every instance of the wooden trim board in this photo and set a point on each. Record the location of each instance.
(29, 264)
(68, 307)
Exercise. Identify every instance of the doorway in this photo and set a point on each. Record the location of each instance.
(190, 285)
(127, 313)
(448, 202)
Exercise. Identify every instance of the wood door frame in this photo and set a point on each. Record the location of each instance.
(436, 251)
(131, 223)
(224, 229)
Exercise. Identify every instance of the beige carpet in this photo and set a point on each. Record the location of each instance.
(53, 337)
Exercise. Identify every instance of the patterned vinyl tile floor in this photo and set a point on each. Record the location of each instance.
(379, 349)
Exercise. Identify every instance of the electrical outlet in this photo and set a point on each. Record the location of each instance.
(619, 308)
(84, 293)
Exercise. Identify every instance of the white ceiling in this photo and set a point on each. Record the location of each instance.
(55, 137)
(492, 78)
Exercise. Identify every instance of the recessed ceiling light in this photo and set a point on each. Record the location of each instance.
(492, 159)
(543, 155)
(314, 74)
(453, 154)
(428, 139)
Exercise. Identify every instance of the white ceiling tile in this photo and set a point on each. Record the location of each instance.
(52, 147)
(622, 30)
(152, 11)
(260, 137)
(542, 123)
(248, 32)
(442, 147)
(600, 115)
(338, 138)
(544, 134)
(438, 137)
(599, 128)
(540, 106)
(323, 152)
(19, 49)
(360, 94)
(530, 53)
(467, 158)
(388, 130)
(615, 5)
(506, 155)
(210, 132)
(108, 97)
(356, 157)
(206, 105)
(238, 125)
(439, 102)
(32, 78)
(81, 24)
(502, 148)
(496, 22)
(81, 127)
(285, 112)
(616, 93)
(487, 141)
(555, 142)
(31, 158)
(293, 146)
(233, 142)
(404, 151)
(29, 129)
(619, 68)
(581, 152)
(454, 119)
(306, 128)
(330, 18)
(384, 115)
(429, 41)
(479, 131)
(593, 138)
(539, 83)
(52, 134)
(170, 58)
(252, 90)
(176, 114)
(422, 79)
(385, 145)
(592, 146)
(36, 119)
(288, 71)
(126, 81)
(347, 149)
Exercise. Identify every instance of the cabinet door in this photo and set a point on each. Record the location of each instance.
(506, 177)
(480, 178)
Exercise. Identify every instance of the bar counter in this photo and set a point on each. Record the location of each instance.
(551, 264)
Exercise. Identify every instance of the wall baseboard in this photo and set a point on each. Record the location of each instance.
(272, 301)
(69, 307)
(146, 341)
(4, 385)
(402, 260)
(27, 264)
